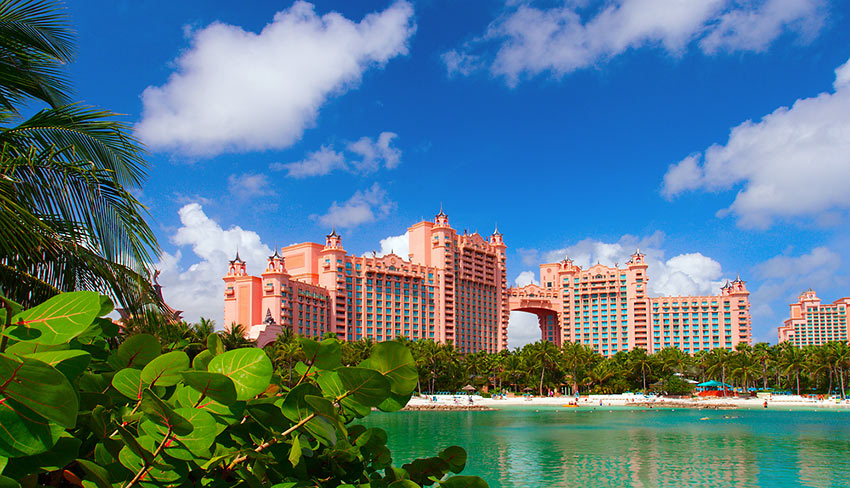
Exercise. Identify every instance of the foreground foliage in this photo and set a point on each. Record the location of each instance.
(67, 218)
(80, 411)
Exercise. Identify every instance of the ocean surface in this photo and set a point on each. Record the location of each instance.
(618, 447)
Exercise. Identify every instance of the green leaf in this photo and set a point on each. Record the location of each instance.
(464, 482)
(129, 383)
(214, 344)
(403, 484)
(162, 471)
(333, 388)
(69, 363)
(249, 368)
(40, 387)
(394, 402)
(60, 318)
(101, 422)
(421, 470)
(161, 413)
(138, 350)
(295, 452)
(213, 385)
(394, 360)
(24, 432)
(14, 307)
(455, 456)
(99, 328)
(195, 444)
(322, 355)
(296, 408)
(64, 452)
(202, 360)
(132, 443)
(367, 386)
(95, 473)
(188, 397)
(166, 370)
(106, 305)
(6, 482)
(24, 348)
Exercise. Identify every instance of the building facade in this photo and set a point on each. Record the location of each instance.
(610, 310)
(450, 287)
(812, 323)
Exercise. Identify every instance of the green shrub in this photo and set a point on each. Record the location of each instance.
(82, 412)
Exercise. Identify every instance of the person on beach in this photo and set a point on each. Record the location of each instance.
(765, 404)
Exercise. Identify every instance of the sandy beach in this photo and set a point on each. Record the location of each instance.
(462, 402)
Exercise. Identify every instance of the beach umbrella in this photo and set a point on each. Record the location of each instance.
(468, 388)
(528, 388)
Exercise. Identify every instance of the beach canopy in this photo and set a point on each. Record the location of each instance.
(468, 388)
(715, 384)
(528, 388)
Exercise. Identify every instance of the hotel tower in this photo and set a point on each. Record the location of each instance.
(450, 287)
(812, 323)
(610, 310)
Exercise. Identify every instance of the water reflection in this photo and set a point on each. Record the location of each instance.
(632, 448)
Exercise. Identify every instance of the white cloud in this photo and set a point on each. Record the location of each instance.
(523, 328)
(197, 288)
(249, 185)
(526, 278)
(317, 163)
(398, 245)
(793, 163)
(365, 156)
(374, 154)
(530, 40)
(362, 207)
(683, 274)
(460, 63)
(784, 277)
(235, 90)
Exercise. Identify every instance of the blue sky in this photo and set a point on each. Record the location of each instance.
(714, 134)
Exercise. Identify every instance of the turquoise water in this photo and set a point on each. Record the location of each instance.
(633, 448)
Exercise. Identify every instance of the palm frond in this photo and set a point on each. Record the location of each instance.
(35, 41)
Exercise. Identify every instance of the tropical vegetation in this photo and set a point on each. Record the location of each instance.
(87, 405)
(574, 368)
(68, 219)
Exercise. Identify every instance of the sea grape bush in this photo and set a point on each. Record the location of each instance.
(81, 408)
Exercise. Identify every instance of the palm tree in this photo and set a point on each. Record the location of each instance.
(204, 328)
(841, 358)
(793, 359)
(602, 372)
(719, 360)
(286, 351)
(673, 360)
(641, 362)
(762, 354)
(545, 355)
(236, 337)
(575, 356)
(746, 367)
(67, 218)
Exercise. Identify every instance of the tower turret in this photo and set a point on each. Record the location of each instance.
(237, 267)
(441, 219)
(333, 240)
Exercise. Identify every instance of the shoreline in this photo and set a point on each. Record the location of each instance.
(461, 402)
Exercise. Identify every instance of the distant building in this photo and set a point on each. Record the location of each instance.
(450, 287)
(609, 309)
(811, 323)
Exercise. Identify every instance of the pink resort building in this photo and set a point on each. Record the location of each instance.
(450, 287)
(609, 309)
(812, 324)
